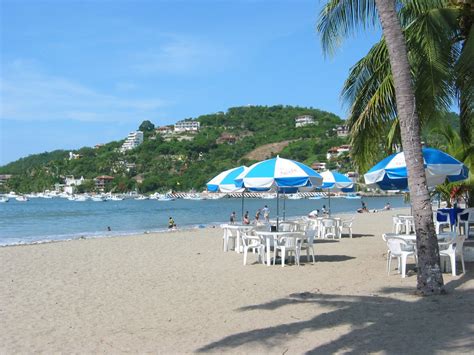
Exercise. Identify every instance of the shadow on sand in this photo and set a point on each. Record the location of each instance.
(378, 323)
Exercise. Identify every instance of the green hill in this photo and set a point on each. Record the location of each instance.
(185, 161)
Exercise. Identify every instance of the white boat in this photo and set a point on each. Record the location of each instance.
(317, 197)
(115, 198)
(21, 199)
(194, 196)
(80, 198)
(98, 198)
(352, 196)
(12, 194)
(165, 198)
(4, 199)
(268, 196)
(294, 197)
(141, 198)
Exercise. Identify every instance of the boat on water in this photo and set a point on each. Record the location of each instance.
(115, 198)
(165, 198)
(194, 197)
(317, 197)
(294, 196)
(4, 199)
(352, 196)
(98, 198)
(141, 198)
(80, 198)
(268, 196)
(21, 198)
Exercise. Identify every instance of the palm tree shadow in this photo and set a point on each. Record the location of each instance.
(377, 323)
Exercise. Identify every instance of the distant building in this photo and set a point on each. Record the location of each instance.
(187, 126)
(318, 166)
(353, 176)
(100, 145)
(134, 139)
(342, 131)
(164, 130)
(70, 181)
(101, 181)
(227, 138)
(73, 156)
(337, 151)
(304, 120)
(4, 178)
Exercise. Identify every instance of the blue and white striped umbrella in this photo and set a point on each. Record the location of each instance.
(279, 174)
(224, 182)
(336, 181)
(391, 172)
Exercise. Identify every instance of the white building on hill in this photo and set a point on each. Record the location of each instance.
(186, 126)
(134, 139)
(304, 120)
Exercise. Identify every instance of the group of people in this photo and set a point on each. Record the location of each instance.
(364, 208)
(265, 211)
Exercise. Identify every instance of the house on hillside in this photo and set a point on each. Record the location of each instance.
(304, 120)
(226, 138)
(73, 156)
(101, 181)
(187, 126)
(4, 178)
(335, 152)
(342, 131)
(164, 130)
(133, 140)
(318, 166)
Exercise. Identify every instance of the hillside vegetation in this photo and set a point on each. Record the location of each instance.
(186, 161)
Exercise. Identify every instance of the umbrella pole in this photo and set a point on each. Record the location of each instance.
(284, 206)
(278, 208)
(242, 207)
(329, 203)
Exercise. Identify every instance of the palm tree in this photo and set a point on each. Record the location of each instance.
(438, 50)
(339, 18)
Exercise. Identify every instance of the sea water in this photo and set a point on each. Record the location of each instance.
(42, 220)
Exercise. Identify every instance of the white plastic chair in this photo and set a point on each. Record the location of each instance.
(398, 225)
(440, 225)
(287, 227)
(255, 243)
(328, 228)
(308, 243)
(290, 244)
(451, 248)
(400, 249)
(466, 223)
(230, 235)
(347, 224)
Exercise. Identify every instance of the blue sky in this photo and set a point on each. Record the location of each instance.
(78, 73)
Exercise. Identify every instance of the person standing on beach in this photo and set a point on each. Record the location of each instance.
(266, 213)
(232, 218)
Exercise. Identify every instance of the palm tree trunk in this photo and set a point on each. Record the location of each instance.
(430, 279)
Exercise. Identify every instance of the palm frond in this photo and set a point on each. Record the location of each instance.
(339, 18)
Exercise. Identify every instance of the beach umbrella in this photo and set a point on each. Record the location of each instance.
(280, 175)
(332, 180)
(225, 182)
(391, 172)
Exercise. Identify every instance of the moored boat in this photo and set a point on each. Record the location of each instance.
(21, 198)
(4, 199)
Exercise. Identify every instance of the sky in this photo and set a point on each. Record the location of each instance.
(78, 73)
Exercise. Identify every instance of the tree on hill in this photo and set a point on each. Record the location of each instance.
(146, 126)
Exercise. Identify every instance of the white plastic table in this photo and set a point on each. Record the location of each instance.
(271, 236)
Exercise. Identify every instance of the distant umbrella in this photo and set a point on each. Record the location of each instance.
(332, 180)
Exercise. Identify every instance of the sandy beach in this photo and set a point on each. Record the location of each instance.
(178, 292)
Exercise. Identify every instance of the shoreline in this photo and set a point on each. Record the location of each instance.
(124, 234)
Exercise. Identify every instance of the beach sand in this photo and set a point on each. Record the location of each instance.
(178, 292)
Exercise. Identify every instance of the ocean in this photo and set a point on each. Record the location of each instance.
(44, 220)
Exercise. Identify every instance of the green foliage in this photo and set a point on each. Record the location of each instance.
(181, 163)
(146, 126)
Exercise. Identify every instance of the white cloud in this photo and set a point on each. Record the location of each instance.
(182, 55)
(28, 94)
